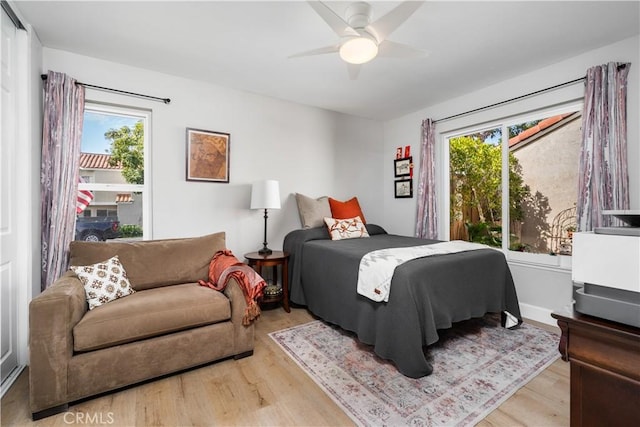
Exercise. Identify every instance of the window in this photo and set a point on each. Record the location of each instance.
(517, 193)
(113, 165)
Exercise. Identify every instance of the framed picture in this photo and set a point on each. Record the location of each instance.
(207, 155)
(403, 188)
(402, 166)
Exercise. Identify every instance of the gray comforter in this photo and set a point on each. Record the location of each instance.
(427, 294)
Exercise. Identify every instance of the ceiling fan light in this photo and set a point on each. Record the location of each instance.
(358, 50)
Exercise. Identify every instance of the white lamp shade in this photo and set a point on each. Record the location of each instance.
(265, 195)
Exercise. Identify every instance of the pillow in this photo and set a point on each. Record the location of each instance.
(103, 282)
(312, 211)
(345, 210)
(351, 228)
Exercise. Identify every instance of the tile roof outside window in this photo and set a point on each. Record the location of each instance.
(544, 124)
(96, 161)
(124, 198)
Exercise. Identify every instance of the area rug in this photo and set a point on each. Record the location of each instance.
(477, 365)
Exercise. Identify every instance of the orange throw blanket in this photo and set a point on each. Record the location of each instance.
(224, 266)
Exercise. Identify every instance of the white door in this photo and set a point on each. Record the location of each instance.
(8, 214)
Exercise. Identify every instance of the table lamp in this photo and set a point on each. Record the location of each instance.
(265, 195)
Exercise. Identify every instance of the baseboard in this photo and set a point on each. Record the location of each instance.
(35, 416)
(539, 314)
(8, 382)
(243, 355)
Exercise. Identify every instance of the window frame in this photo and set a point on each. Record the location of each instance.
(562, 262)
(145, 116)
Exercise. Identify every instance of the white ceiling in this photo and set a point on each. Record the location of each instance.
(245, 45)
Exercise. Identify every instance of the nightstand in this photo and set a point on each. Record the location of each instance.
(274, 259)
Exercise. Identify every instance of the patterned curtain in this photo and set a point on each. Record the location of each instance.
(427, 221)
(61, 138)
(603, 176)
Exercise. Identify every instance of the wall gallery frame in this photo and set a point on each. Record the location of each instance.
(403, 188)
(208, 155)
(402, 166)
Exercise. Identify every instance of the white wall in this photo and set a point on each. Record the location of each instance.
(540, 290)
(34, 154)
(300, 146)
(357, 165)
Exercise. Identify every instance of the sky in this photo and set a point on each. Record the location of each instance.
(96, 124)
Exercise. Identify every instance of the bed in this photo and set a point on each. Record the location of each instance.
(426, 294)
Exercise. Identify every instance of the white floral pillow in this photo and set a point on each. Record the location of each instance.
(103, 282)
(350, 228)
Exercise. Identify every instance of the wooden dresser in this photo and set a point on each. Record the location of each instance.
(605, 370)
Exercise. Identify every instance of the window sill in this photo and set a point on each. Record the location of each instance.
(561, 265)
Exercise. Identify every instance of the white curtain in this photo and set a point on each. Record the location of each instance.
(603, 175)
(427, 218)
(61, 139)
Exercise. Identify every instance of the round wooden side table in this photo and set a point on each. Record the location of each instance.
(276, 258)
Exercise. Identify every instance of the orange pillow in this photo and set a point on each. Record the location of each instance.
(345, 210)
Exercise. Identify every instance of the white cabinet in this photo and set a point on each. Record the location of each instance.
(607, 260)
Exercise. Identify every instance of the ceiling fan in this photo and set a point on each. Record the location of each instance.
(360, 40)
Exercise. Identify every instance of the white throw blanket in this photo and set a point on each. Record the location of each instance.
(377, 267)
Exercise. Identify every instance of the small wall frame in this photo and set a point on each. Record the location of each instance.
(208, 155)
(402, 167)
(403, 188)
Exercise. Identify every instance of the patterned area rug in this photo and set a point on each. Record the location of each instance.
(477, 365)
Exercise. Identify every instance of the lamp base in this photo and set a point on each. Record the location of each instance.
(265, 251)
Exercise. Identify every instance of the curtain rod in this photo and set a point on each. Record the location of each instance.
(486, 107)
(108, 89)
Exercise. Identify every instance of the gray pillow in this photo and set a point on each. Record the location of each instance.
(312, 211)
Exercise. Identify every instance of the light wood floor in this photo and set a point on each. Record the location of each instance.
(267, 389)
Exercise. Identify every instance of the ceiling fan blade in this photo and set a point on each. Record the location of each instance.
(336, 23)
(389, 49)
(354, 70)
(318, 51)
(388, 23)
